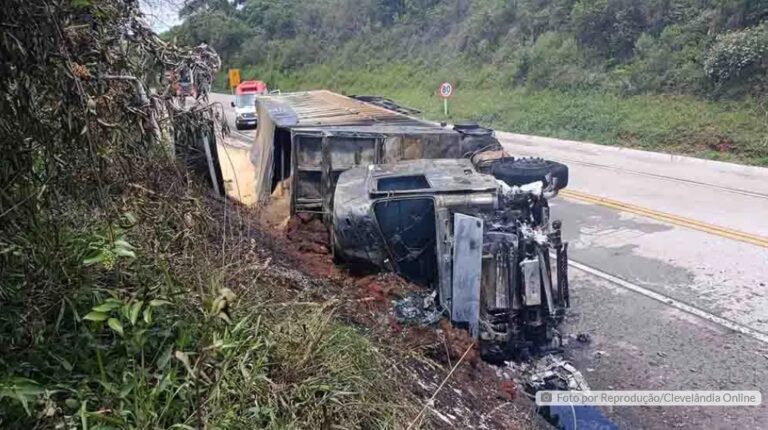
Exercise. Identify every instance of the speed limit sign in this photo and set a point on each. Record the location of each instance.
(446, 89)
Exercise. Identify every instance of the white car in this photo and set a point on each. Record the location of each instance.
(245, 111)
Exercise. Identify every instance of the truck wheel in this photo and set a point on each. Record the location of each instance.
(521, 171)
(465, 125)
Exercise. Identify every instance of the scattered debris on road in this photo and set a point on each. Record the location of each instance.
(552, 372)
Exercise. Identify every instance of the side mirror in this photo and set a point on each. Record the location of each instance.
(232, 104)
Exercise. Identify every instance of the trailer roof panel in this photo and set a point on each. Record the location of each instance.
(325, 110)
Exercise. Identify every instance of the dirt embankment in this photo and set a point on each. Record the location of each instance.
(458, 389)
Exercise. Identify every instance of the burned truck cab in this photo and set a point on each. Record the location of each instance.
(488, 248)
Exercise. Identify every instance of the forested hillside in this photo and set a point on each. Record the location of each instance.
(586, 69)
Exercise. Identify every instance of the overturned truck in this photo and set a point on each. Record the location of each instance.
(446, 208)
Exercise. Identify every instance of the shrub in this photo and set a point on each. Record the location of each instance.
(555, 61)
(737, 53)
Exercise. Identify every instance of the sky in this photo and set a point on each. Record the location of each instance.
(161, 14)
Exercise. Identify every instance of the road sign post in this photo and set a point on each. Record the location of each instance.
(445, 91)
(234, 78)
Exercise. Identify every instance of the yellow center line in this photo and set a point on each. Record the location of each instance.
(668, 218)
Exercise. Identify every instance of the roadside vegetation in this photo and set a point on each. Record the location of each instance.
(130, 297)
(682, 76)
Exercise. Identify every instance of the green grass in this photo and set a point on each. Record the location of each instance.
(725, 130)
(167, 317)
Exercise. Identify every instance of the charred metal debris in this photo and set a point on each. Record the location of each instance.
(446, 208)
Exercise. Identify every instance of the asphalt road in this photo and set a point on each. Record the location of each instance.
(669, 275)
(669, 305)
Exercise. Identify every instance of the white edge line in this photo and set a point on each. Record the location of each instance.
(763, 337)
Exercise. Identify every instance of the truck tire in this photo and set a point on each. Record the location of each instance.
(475, 138)
(521, 171)
(465, 125)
